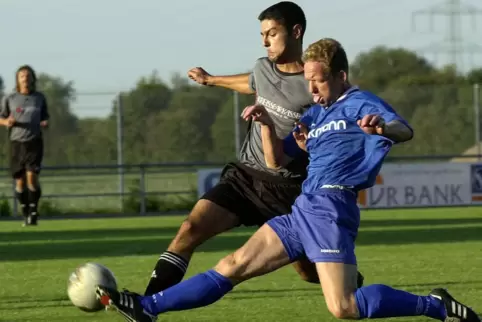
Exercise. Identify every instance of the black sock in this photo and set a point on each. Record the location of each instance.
(169, 271)
(22, 197)
(33, 198)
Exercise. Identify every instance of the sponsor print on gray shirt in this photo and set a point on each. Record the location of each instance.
(28, 110)
(286, 97)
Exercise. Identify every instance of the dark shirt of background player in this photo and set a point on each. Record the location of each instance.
(24, 112)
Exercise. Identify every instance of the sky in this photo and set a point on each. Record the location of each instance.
(105, 46)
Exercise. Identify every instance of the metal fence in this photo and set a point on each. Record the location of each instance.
(118, 151)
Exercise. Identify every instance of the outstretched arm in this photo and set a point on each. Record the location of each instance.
(240, 83)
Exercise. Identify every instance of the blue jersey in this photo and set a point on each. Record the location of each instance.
(340, 152)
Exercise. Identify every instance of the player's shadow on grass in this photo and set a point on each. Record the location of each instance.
(315, 289)
(31, 234)
(419, 222)
(152, 241)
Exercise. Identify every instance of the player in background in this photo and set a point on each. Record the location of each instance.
(347, 135)
(24, 112)
(249, 193)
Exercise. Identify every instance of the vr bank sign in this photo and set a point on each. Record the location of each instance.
(405, 185)
(419, 185)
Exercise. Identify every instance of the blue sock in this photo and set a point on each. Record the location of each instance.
(381, 301)
(200, 290)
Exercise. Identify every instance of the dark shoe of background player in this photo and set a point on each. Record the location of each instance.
(456, 311)
(33, 218)
(26, 215)
(126, 303)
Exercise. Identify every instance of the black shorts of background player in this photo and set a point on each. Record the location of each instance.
(24, 112)
(249, 193)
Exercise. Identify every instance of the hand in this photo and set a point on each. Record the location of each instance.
(44, 123)
(301, 135)
(10, 121)
(199, 75)
(372, 124)
(257, 113)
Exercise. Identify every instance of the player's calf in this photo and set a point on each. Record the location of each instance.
(34, 193)
(205, 221)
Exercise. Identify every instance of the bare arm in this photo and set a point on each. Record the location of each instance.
(272, 147)
(241, 83)
(238, 83)
(397, 131)
(5, 119)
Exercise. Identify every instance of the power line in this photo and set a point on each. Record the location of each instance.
(454, 44)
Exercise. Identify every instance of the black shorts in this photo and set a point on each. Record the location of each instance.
(254, 196)
(26, 156)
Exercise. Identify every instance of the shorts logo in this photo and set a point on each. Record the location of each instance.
(330, 251)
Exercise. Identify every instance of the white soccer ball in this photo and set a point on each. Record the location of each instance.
(83, 282)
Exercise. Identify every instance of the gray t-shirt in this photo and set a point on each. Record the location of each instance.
(286, 97)
(28, 110)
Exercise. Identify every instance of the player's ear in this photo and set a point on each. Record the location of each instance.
(343, 76)
(297, 31)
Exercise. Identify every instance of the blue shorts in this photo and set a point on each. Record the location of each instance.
(322, 226)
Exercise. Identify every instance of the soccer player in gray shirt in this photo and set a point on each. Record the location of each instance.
(249, 193)
(24, 112)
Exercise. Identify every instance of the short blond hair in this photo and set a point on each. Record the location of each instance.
(330, 53)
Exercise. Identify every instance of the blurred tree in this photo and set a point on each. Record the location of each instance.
(61, 136)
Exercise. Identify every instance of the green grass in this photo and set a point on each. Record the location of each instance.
(414, 250)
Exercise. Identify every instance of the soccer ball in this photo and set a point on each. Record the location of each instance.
(83, 282)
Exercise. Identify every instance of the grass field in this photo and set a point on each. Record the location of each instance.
(415, 250)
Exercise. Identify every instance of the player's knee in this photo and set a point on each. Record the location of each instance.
(187, 236)
(19, 184)
(32, 181)
(343, 308)
(233, 266)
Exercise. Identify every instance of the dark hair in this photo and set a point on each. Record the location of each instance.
(31, 72)
(286, 13)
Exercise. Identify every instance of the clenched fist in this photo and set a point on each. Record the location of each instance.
(199, 75)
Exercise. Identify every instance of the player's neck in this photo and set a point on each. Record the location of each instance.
(291, 67)
(24, 91)
(291, 63)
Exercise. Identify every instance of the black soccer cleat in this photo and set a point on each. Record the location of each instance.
(33, 218)
(26, 216)
(359, 280)
(456, 311)
(126, 303)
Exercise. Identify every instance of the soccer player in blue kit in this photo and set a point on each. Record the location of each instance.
(347, 135)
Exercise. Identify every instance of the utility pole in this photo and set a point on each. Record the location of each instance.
(454, 45)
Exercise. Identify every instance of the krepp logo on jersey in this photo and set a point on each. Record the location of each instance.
(330, 126)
